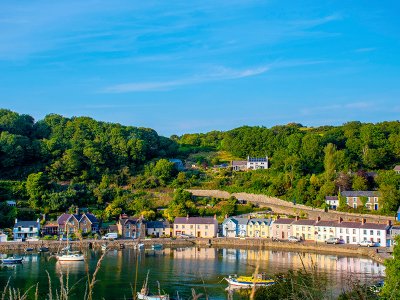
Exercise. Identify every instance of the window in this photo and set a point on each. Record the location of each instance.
(379, 240)
(354, 199)
(191, 226)
(309, 228)
(277, 226)
(183, 226)
(378, 232)
(354, 239)
(302, 228)
(375, 199)
(365, 231)
(347, 230)
(371, 232)
(354, 231)
(176, 226)
(354, 205)
(341, 230)
(206, 226)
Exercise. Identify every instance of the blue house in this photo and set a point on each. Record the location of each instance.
(234, 227)
(398, 214)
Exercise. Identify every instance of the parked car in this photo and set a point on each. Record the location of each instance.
(110, 236)
(366, 243)
(64, 238)
(293, 239)
(332, 240)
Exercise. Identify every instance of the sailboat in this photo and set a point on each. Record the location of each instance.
(69, 255)
(145, 294)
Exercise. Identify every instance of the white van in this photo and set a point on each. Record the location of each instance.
(110, 236)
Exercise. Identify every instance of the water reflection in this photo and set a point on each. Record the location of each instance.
(180, 269)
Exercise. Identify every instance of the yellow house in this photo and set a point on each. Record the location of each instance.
(258, 228)
(203, 227)
(304, 229)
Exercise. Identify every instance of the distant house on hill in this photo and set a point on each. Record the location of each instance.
(397, 169)
(354, 199)
(332, 201)
(252, 163)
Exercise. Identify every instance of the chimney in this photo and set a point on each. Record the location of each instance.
(215, 216)
(249, 217)
(389, 223)
(16, 220)
(77, 210)
(297, 218)
(187, 217)
(318, 219)
(38, 220)
(340, 220)
(226, 216)
(278, 217)
(363, 221)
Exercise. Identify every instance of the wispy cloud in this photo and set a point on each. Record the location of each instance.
(219, 73)
(365, 49)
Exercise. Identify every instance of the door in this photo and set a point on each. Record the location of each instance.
(347, 240)
(283, 235)
(198, 234)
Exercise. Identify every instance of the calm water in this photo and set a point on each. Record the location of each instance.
(180, 269)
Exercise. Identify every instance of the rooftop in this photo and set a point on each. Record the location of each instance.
(360, 193)
(331, 198)
(284, 221)
(195, 220)
(304, 222)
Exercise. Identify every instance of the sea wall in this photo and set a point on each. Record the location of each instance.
(377, 254)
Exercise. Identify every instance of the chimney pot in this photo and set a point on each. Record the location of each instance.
(389, 223)
(363, 221)
(215, 216)
(340, 220)
(297, 218)
(278, 217)
(187, 216)
(318, 219)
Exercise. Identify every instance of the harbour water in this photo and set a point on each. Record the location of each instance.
(179, 270)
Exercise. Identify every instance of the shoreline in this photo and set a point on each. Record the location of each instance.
(236, 243)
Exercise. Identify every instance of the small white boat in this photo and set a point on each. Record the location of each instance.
(104, 247)
(71, 256)
(12, 260)
(140, 246)
(67, 248)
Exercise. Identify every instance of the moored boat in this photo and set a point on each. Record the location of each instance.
(262, 279)
(29, 249)
(43, 249)
(157, 246)
(144, 293)
(71, 256)
(12, 260)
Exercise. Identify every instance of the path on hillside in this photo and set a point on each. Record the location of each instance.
(284, 207)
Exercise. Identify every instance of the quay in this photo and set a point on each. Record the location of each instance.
(376, 253)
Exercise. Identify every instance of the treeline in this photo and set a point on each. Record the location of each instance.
(75, 148)
(360, 145)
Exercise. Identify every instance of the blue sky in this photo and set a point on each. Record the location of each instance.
(196, 66)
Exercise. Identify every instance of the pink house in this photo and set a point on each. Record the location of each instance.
(282, 228)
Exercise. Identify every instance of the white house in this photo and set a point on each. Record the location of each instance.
(255, 163)
(349, 232)
(325, 230)
(11, 203)
(26, 229)
(3, 238)
(332, 201)
(378, 233)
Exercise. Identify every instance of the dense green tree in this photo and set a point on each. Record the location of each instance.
(391, 288)
(7, 215)
(36, 186)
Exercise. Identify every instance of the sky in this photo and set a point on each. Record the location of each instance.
(195, 66)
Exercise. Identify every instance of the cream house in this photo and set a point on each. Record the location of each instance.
(304, 229)
(203, 227)
(259, 228)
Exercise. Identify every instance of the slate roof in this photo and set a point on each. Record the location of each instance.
(349, 224)
(284, 221)
(26, 224)
(92, 218)
(195, 220)
(378, 226)
(157, 224)
(259, 220)
(241, 221)
(63, 218)
(331, 198)
(239, 163)
(304, 222)
(360, 194)
(327, 223)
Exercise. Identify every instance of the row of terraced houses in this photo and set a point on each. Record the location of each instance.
(311, 230)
